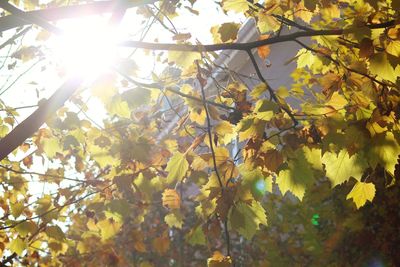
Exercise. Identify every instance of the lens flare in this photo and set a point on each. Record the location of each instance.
(88, 48)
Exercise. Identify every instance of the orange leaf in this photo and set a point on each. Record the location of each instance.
(263, 51)
(171, 199)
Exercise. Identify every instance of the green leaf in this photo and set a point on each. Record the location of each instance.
(246, 219)
(297, 177)
(17, 209)
(174, 219)
(51, 146)
(136, 97)
(196, 237)
(384, 150)
(362, 192)
(265, 109)
(55, 232)
(18, 246)
(254, 181)
(25, 228)
(340, 167)
(177, 167)
(119, 107)
(313, 156)
(228, 31)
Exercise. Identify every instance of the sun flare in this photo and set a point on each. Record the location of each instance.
(87, 47)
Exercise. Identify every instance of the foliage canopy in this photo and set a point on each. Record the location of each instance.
(189, 170)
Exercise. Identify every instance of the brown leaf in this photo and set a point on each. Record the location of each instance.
(366, 48)
(161, 244)
(28, 161)
(330, 83)
(272, 159)
(181, 36)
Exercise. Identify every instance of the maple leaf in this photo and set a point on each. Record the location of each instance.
(379, 65)
(171, 199)
(18, 246)
(237, 6)
(246, 218)
(174, 219)
(297, 177)
(177, 167)
(340, 167)
(384, 150)
(362, 192)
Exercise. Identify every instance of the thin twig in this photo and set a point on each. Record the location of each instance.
(338, 63)
(161, 87)
(210, 139)
(270, 90)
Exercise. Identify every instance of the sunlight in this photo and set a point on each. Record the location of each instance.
(88, 47)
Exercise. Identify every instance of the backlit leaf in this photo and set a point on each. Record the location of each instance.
(177, 167)
(340, 167)
(362, 192)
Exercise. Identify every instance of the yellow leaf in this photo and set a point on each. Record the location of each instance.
(337, 101)
(221, 156)
(174, 220)
(362, 192)
(183, 59)
(394, 48)
(177, 167)
(237, 6)
(108, 228)
(330, 13)
(18, 246)
(225, 132)
(51, 146)
(340, 167)
(304, 59)
(104, 88)
(258, 90)
(379, 65)
(219, 260)
(267, 23)
(302, 13)
(171, 199)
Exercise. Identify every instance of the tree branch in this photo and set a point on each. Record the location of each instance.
(31, 124)
(161, 87)
(67, 12)
(29, 18)
(250, 45)
(14, 37)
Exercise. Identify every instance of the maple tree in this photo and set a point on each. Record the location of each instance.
(247, 176)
